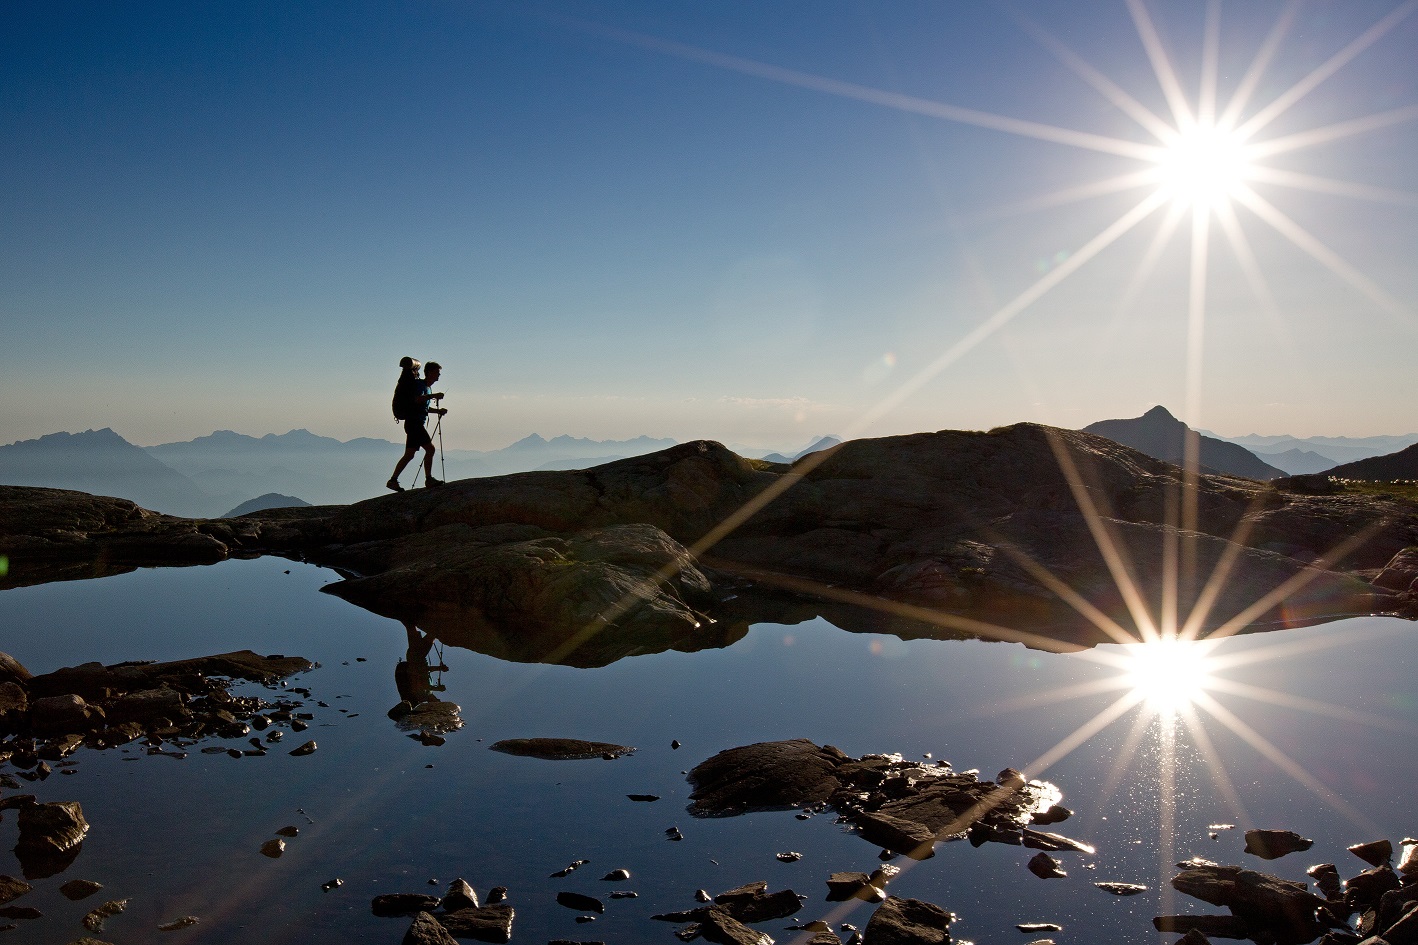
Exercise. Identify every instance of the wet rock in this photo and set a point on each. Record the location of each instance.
(12, 889)
(1326, 877)
(1408, 863)
(289, 831)
(335, 883)
(431, 718)
(580, 903)
(720, 927)
(1273, 844)
(50, 837)
(94, 920)
(672, 833)
(1375, 853)
(846, 885)
(1264, 904)
(308, 748)
(625, 894)
(1039, 927)
(496, 894)
(76, 889)
(54, 715)
(460, 895)
(765, 776)
(569, 868)
(789, 856)
(559, 749)
(1046, 867)
(1055, 814)
(273, 848)
(1194, 937)
(644, 798)
(908, 922)
(24, 913)
(1121, 889)
(491, 923)
(752, 903)
(392, 905)
(426, 930)
(897, 834)
(1053, 842)
(616, 876)
(1366, 888)
(14, 702)
(184, 922)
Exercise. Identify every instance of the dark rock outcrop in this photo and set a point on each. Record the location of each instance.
(1266, 907)
(560, 749)
(1273, 844)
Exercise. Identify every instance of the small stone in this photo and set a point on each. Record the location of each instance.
(1121, 889)
(791, 856)
(335, 883)
(579, 902)
(1039, 927)
(625, 894)
(569, 869)
(645, 798)
(496, 894)
(702, 895)
(289, 831)
(617, 876)
(306, 749)
(12, 888)
(175, 924)
(77, 889)
(1273, 844)
(391, 905)
(673, 834)
(1046, 867)
(427, 930)
(95, 919)
(273, 848)
(674, 744)
(1326, 877)
(583, 919)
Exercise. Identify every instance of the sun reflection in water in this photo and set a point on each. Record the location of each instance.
(1168, 675)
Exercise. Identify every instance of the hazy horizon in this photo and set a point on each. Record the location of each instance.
(749, 223)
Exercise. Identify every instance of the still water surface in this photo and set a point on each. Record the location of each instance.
(1333, 754)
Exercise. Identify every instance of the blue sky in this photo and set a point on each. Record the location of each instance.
(681, 219)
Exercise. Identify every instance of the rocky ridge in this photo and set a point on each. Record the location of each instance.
(949, 534)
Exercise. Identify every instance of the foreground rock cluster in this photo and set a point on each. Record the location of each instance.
(949, 534)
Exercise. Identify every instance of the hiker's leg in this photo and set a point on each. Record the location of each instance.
(428, 462)
(409, 452)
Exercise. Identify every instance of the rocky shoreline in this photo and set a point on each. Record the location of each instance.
(944, 535)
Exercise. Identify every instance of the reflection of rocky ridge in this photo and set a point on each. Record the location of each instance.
(945, 534)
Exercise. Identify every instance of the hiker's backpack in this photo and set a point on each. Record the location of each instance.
(406, 397)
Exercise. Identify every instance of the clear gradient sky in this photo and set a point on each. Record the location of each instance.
(746, 221)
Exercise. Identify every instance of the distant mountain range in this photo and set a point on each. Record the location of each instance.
(229, 473)
(821, 443)
(1162, 436)
(219, 474)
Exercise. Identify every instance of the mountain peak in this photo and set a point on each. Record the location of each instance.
(1159, 413)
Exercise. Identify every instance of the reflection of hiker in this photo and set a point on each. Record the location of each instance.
(411, 397)
(413, 675)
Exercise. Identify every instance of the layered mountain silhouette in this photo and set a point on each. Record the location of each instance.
(1297, 462)
(1162, 436)
(102, 463)
(1400, 465)
(821, 443)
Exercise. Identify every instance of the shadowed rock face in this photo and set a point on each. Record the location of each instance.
(950, 534)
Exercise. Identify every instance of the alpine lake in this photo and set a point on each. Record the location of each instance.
(1311, 729)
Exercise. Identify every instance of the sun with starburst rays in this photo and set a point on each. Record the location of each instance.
(1204, 162)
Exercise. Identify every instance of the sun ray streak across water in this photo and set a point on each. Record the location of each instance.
(1285, 763)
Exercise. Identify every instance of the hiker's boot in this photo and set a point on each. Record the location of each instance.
(434, 482)
(394, 484)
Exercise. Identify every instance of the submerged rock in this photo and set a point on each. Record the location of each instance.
(1046, 867)
(50, 837)
(94, 920)
(559, 749)
(12, 889)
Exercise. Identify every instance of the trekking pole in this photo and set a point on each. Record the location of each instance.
(442, 462)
